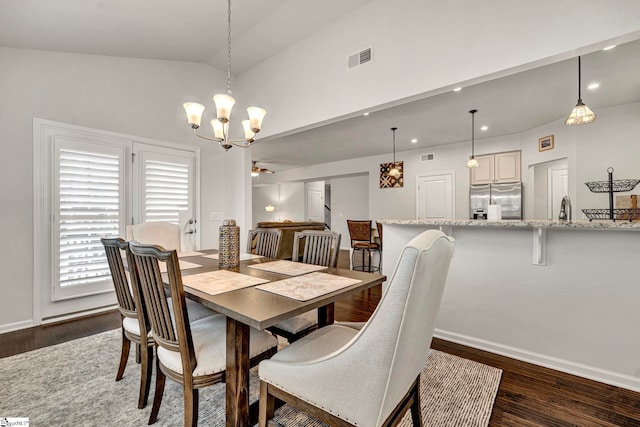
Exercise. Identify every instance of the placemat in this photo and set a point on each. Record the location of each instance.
(289, 268)
(243, 257)
(308, 286)
(220, 281)
(184, 265)
(189, 253)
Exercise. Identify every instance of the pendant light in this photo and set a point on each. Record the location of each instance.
(473, 163)
(394, 172)
(581, 114)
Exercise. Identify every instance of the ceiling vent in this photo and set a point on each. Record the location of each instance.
(427, 157)
(360, 58)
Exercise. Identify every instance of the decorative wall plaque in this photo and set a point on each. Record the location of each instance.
(387, 181)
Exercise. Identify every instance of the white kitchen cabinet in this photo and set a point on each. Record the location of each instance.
(497, 168)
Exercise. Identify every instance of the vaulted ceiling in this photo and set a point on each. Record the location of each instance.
(195, 31)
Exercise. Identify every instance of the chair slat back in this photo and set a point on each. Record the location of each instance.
(114, 249)
(267, 242)
(170, 330)
(320, 247)
(359, 230)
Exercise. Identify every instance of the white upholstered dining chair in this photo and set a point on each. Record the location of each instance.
(159, 233)
(369, 377)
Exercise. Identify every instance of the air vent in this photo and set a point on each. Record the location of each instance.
(360, 58)
(427, 157)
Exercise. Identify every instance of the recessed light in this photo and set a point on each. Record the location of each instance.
(485, 127)
(365, 114)
(594, 85)
(414, 140)
(457, 89)
(609, 47)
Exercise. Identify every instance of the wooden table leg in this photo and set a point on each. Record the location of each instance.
(326, 315)
(237, 377)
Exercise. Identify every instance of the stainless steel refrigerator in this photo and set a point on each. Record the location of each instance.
(509, 196)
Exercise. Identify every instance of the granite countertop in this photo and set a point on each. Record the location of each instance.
(518, 224)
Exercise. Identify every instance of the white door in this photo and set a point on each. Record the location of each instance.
(315, 205)
(435, 196)
(558, 188)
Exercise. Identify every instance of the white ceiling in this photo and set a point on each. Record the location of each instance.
(195, 31)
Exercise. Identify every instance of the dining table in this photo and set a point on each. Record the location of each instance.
(254, 307)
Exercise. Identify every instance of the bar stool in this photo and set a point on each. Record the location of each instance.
(360, 235)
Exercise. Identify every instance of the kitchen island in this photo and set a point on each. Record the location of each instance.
(565, 295)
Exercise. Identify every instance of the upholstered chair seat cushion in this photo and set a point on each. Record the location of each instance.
(366, 245)
(299, 323)
(209, 344)
(196, 311)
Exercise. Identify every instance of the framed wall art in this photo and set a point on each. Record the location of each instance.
(545, 143)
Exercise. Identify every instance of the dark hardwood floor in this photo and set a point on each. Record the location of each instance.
(528, 396)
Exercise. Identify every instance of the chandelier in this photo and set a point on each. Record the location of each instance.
(224, 104)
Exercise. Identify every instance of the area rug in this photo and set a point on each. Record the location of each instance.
(73, 384)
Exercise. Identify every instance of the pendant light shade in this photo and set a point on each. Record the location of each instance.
(473, 163)
(394, 172)
(581, 114)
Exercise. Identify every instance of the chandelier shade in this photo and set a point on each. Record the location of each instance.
(581, 114)
(224, 104)
(473, 163)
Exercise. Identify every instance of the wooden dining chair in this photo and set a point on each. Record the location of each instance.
(360, 235)
(370, 377)
(320, 248)
(190, 353)
(264, 241)
(134, 327)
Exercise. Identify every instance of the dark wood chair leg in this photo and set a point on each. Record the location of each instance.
(267, 405)
(124, 355)
(145, 376)
(191, 402)
(138, 353)
(157, 397)
(416, 407)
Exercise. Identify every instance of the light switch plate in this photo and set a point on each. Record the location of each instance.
(216, 216)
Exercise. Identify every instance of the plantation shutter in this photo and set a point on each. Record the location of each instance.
(89, 198)
(166, 190)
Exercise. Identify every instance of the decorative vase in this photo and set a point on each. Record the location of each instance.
(229, 246)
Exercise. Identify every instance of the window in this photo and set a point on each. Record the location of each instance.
(90, 184)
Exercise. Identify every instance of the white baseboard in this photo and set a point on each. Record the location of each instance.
(9, 327)
(78, 314)
(585, 371)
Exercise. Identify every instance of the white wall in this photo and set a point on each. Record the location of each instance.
(129, 96)
(422, 47)
(577, 314)
(349, 200)
(262, 196)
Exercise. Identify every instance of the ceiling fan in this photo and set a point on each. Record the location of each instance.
(255, 170)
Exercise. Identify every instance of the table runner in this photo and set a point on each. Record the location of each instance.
(289, 268)
(308, 286)
(220, 281)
